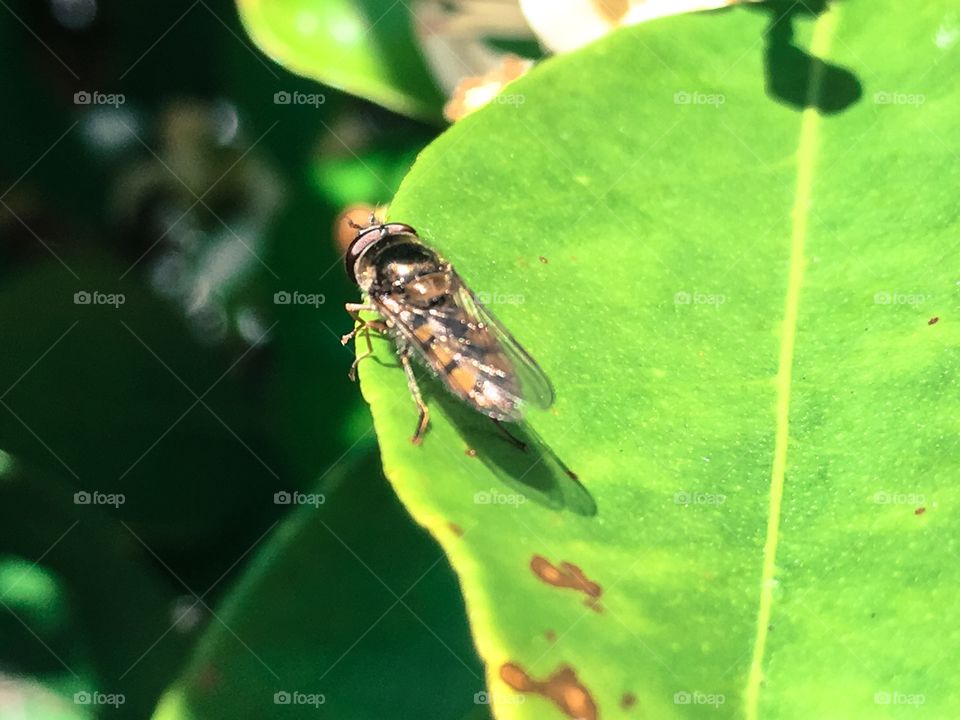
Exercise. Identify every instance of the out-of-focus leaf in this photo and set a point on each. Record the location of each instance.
(365, 47)
(24, 698)
(78, 614)
(349, 611)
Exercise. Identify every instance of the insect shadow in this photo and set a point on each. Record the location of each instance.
(535, 471)
(790, 69)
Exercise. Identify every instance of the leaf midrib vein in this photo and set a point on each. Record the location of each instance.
(806, 153)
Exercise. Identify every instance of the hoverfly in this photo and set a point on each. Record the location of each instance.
(434, 317)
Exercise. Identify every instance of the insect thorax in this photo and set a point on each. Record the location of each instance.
(404, 266)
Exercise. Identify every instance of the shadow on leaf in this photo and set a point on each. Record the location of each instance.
(536, 472)
(791, 70)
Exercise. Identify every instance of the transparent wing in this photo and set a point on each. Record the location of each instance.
(535, 387)
(461, 333)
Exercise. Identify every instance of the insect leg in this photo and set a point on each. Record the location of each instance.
(354, 310)
(365, 329)
(352, 373)
(517, 442)
(417, 398)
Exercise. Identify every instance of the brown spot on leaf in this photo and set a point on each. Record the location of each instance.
(515, 676)
(562, 688)
(919, 511)
(456, 529)
(470, 452)
(543, 260)
(567, 575)
(628, 701)
(551, 636)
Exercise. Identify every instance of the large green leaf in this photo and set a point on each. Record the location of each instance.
(728, 240)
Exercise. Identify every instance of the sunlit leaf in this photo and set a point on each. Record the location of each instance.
(728, 239)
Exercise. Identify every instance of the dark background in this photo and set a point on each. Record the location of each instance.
(199, 397)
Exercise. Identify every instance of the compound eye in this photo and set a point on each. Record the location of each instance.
(356, 248)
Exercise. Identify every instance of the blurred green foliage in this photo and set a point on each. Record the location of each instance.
(196, 199)
(366, 47)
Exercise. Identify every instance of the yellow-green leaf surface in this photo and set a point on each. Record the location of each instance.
(365, 47)
(730, 240)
